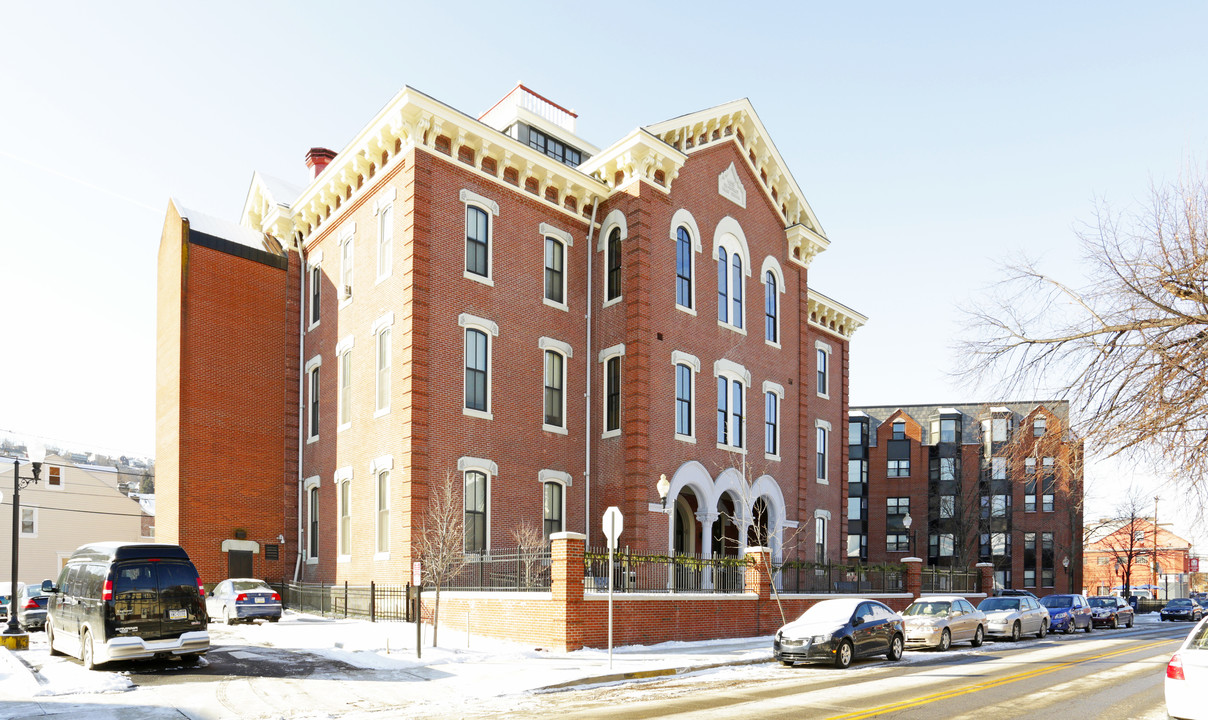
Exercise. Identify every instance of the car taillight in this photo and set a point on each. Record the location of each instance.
(107, 593)
(31, 605)
(201, 588)
(1174, 670)
(276, 597)
(241, 598)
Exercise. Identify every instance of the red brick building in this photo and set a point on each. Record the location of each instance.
(962, 484)
(1154, 558)
(549, 325)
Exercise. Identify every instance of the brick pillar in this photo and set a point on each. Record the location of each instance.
(985, 578)
(566, 575)
(914, 576)
(756, 577)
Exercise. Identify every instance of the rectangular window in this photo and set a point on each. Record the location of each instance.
(683, 400)
(1029, 559)
(476, 370)
(855, 507)
(947, 544)
(346, 269)
(1029, 466)
(314, 522)
(346, 387)
(476, 512)
(998, 430)
(1038, 426)
(314, 403)
(555, 270)
(899, 506)
(947, 507)
(1000, 506)
(346, 517)
(855, 432)
(383, 370)
(316, 284)
(1047, 564)
(947, 468)
(477, 242)
(899, 430)
(898, 468)
(998, 468)
(54, 477)
(385, 253)
(897, 542)
(612, 392)
(1029, 496)
(553, 147)
(730, 412)
(683, 268)
(770, 311)
(554, 383)
(613, 289)
(822, 462)
(819, 540)
(771, 413)
(1048, 464)
(723, 285)
(552, 508)
(949, 430)
(29, 521)
(823, 357)
(1048, 487)
(383, 511)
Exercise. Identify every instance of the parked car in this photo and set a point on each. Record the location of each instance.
(1187, 674)
(1012, 592)
(1067, 613)
(1111, 611)
(126, 601)
(1200, 597)
(5, 595)
(938, 621)
(31, 607)
(1014, 616)
(839, 630)
(243, 600)
(1182, 609)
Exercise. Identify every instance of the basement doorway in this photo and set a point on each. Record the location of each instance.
(239, 564)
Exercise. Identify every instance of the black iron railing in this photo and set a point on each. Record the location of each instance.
(646, 573)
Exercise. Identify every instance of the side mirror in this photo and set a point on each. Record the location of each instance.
(857, 620)
(48, 586)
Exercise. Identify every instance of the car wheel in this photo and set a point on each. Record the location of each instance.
(1044, 629)
(787, 663)
(945, 641)
(843, 654)
(86, 651)
(191, 660)
(1069, 627)
(226, 616)
(1090, 626)
(275, 618)
(978, 637)
(1115, 623)
(896, 646)
(50, 639)
(1016, 631)
(1130, 621)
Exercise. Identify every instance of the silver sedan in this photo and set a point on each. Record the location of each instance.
(938, 621)
(1015, 616)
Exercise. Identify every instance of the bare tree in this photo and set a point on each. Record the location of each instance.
(531, 545)
(1125, 543)
(1129, 350)
(441, 545)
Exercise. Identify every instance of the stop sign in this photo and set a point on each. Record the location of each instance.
(613, 523)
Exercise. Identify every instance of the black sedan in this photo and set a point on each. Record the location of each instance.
(839, 630)
(1182, 609)
(243, 600)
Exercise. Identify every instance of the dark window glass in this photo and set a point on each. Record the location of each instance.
(316, 282)
(553, 388)
(612, 415)
(683, 399)
(769, 308)
(683, 268)
(723, 290)
(771, 413)
(823, 360)
(736, 413)
(314, 402)
(736, 290)
(314, 522)
(552, 503)
(476, 241)
(723, 412)
(614, 264)
(554, 272)
(476, 512)
(476, 369)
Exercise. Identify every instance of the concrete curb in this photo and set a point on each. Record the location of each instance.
(643, 674)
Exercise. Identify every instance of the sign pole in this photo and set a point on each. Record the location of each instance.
(610, 544)
(613, 523)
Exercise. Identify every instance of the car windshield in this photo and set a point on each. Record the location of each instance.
(1057, 601)
(1179, 603)
(998, 603)
(1102, 602)
(823, 611)
(245, 585)
(1199, 638)
(928, 608)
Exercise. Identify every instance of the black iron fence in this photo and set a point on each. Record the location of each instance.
(522, 569)
(634, 572)
(373, 601)
(808, 577)
(957, 580)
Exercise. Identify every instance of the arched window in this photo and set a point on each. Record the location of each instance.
(770, 309)
(613, 290)
(723, 285)
(736, 290)
(683, 268)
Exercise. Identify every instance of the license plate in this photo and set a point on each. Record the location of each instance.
(178, 614)
(260, 600)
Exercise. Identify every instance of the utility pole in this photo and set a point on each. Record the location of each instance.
(1155, 545)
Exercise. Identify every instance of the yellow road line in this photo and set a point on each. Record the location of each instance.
(924, 700)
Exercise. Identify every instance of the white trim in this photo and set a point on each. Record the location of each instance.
(470, 197)
(778, 390)
(683, 218)
(491, 330)
(467, 320)
(383, 325)
(826, 348)
(679, 357)
(344, 473)
(548, 343)
(728, 226)
(729, 235)
(823, 479)
(347, 237)
(377, 501)
(314, 258)
(736, 373)
(824, 514)
(466, 462)
(491, 208)
(385, 462)
(379, 211)
(33, 512)
(823, 424)
(241, 545)
(560, 478)
(555, 476)
(692, 362)
(614, 218)
(313, 363)
(618, 349)
(770, 264)
(769, 386)
(310, 483)
(729, 367)
(312, 433)
(547, 229)
(384, 321)
(385, 198)
(345, 344)
(342, 349)
(311, 268)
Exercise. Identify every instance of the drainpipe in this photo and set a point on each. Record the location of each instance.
(587, 393)
(301, 395)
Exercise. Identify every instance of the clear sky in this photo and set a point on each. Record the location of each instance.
(933, 141)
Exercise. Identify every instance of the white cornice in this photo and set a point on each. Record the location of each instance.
(833, 317)
(638, 156)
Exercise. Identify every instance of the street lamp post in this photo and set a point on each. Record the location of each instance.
(14, 638)
(1069, 579)
(906, 522)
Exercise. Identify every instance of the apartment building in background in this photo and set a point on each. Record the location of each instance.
(494, 302)
(967, 483)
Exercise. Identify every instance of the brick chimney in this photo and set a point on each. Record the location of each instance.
(317, 158)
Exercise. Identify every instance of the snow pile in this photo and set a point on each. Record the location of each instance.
(15, 678)
(65, 678)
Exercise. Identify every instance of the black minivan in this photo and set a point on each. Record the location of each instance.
(127, 601)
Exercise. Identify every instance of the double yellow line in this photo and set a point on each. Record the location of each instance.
(924, 700)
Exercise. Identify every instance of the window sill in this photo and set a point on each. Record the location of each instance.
(345, 303)
(824, 396)
(556, 305)
(381, 413)
(381, 556)
(344, 558)
(485, 280)
(610, 434)
(728, 326)
(312, 561)
(773, 458)
(610, 303)
(381, 279)
(555, 429)
(477, 413)
(823, 481)
(686, 438)
(731, 448)
(343, 427)
(772, 343)
(312, 439)
(313, 325)
(688, 310)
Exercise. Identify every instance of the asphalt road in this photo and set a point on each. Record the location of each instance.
(1106, 674)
